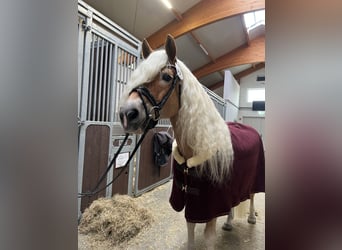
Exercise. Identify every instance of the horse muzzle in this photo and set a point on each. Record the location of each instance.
(132, 117)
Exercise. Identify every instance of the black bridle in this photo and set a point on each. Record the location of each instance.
(152, 118)
(153, 114)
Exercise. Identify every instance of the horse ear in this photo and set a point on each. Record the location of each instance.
(146, 49)
(170, 47)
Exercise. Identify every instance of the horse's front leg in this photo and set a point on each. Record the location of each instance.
(228, 224)
(251, 218)
(210, 234)
(191, 235)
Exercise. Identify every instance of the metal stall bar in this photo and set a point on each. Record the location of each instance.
(116, 83)
(99, 104)
(90, 80)
(100, 81)
(94, 101)
(219, 102)
(105, 85)
(114, 69)
(81, 46)
(126, 64)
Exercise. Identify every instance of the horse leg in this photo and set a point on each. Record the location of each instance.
(210, 234)
(191, 235)
(251, 218)
(228, 224)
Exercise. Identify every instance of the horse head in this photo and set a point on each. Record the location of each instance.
(153, 91)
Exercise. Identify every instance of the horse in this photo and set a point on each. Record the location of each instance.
(216, 164)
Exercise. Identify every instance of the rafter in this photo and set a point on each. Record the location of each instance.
(203, 13)
(239, 75)
(254, 53)
(248, 71)
(216, 85)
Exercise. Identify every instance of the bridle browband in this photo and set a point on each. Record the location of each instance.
(153, 115)
(151, 121)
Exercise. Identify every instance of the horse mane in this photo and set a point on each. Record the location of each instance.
(202, 126)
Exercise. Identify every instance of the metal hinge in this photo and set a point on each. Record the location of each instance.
(80, 122)
(85, 25)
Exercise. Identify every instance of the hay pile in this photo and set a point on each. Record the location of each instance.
(117, 219)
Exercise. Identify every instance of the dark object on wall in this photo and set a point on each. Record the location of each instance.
(162, 148)
(260, 78)
(258, 106)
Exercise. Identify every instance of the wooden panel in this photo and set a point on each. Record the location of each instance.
(120, 185)
(148, 172)
(95, 160)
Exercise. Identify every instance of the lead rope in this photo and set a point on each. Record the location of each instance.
(96, 190)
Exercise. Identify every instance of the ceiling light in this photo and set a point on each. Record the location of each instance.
(204, 50)
(167, 4)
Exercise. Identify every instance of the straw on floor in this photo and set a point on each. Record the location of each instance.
(117, 219)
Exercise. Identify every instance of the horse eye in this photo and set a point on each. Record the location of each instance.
(166, 77)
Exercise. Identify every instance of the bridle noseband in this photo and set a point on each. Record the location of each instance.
(153, 115)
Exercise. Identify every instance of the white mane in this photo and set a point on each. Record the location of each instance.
(203, 129)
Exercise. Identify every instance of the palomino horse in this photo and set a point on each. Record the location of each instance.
(216, 164)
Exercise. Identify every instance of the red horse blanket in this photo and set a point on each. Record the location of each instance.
(204, 200)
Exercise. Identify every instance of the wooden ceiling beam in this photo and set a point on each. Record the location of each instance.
(254, 53)
(203, 13)
(216, 85)
(239, 75)
(248, 71)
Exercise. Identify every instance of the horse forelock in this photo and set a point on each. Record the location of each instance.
(146, 71)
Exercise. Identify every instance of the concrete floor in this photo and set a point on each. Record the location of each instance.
(169, 228)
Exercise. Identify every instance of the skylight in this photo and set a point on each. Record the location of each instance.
(255, 18)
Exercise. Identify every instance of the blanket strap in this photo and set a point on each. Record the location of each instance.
(184, 185)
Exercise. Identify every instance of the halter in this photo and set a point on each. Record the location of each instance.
(153, 115)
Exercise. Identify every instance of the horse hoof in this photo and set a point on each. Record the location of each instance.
(227, 227)
(251, 219)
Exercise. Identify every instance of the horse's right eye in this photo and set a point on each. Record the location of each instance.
(166, 77)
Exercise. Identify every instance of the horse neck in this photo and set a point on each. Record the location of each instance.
(184, 150)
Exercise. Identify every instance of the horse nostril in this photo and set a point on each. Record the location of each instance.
(132, 114)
